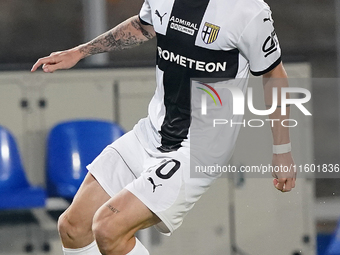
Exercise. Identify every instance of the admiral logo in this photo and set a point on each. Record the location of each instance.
(183, 26)
(210, 33)
(192, 63)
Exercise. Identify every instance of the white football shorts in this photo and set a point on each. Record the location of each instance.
(160, 180)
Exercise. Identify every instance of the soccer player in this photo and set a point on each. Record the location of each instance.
(143, 178)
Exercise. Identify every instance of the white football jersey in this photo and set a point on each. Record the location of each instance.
(202, 39)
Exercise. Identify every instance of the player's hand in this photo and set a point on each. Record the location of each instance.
(58, 60)
(284, 179)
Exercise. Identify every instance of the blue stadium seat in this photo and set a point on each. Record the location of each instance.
(334, 244)
(71, 146)
(15, 190)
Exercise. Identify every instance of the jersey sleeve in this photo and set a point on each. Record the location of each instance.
(145, 13)
(259, 44)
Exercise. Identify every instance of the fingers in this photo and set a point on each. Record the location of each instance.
(50, 68)
(36, 65)
(288, 185)
(279, 183)
(58, 60)
(284, 184)
(275, 182)
(49, 64)
(45, 62)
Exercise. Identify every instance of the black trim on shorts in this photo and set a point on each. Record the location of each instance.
(275, 64)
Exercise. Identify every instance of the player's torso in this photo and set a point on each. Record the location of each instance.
(195, 39)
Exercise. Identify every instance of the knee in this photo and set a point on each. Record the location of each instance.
(70, 228)
(109, 236)
(63, 224)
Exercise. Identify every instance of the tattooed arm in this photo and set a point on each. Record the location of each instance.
(126, 35)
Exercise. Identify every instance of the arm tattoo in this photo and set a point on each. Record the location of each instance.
(137, 25)
(114, 210)
(125, 35)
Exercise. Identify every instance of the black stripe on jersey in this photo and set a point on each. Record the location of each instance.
(190, 11)
(176, 80)
(178, 58)
(275, 64)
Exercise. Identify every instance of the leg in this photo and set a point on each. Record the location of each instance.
(75, 224)
(117, 221)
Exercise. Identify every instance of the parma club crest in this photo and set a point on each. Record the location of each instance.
(209, 33)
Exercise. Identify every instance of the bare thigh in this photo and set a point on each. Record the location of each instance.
(89, 198)
(117, 221)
